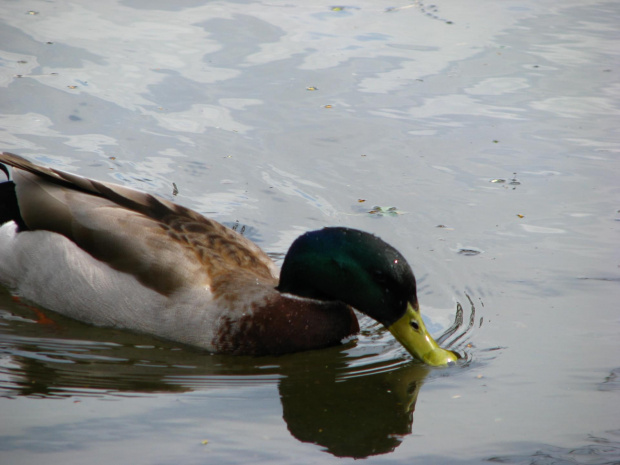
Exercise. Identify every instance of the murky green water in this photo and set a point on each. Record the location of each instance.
(490, 127)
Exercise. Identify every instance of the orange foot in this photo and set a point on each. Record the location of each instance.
(42, 318)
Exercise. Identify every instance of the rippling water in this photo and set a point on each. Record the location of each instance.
(369, 381)
(48, 355)
(478, 139)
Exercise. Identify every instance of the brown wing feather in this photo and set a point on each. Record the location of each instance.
(166, 246)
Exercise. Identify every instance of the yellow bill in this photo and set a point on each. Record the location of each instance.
(411, 332)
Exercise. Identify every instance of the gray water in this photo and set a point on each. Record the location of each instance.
(490, 127)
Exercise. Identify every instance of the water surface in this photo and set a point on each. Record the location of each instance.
(491, 128)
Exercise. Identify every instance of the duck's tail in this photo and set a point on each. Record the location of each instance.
(9, 207)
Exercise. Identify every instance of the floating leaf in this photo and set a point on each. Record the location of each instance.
(380, 211)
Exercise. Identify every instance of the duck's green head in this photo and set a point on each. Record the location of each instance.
(368, 274)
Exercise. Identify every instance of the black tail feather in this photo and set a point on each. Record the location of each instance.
(6, 171)
(9, 208)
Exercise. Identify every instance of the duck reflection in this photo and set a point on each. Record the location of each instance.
(351, 405)
(354, 417)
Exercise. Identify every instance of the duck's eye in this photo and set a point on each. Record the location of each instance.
(414, 324)
(379, 277)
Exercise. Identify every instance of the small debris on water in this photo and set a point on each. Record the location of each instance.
(312, 88)
(514, 181)
(397, 8)
(240, 228)
(380, 211)
(511, 182)
(339, 8)
(469, 251)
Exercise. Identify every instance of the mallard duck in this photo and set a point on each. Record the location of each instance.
(115, 257)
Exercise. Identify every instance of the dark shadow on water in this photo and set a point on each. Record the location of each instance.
(356, 417)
